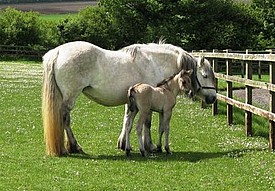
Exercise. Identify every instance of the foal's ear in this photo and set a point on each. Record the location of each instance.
(189, 72)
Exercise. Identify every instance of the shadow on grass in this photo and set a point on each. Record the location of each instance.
(190, 156)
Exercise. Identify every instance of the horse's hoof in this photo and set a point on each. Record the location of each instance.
(121, 144)
(74, 149)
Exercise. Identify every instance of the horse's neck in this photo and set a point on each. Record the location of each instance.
(191, 63)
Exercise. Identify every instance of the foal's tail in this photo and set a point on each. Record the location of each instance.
(52, 107)
(131, 97)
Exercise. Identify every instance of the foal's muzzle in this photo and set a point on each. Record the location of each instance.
(189, 93)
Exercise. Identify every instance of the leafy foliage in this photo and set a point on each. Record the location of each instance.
(265, 11)
(191, 24)
(25, 29)
(91, 24)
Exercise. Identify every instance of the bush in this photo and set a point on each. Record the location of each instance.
(92, 24)
(18, 28)
(26, 29)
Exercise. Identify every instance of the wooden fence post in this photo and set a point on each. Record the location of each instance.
(272, 106)
(229, 88)
(260, 70)
(248, 97)
(242, 68)
(215, 68)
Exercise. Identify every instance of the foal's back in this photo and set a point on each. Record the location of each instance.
(146, 98)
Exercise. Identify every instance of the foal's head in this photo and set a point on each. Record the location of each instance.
(185, 82)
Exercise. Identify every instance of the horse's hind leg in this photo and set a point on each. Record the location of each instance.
(127, 126)
(72, 145)
(127, 136)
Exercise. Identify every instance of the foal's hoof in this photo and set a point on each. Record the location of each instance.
(128, 152)
(151, 148)
(168, 151)
(158, 149)
(142, 153)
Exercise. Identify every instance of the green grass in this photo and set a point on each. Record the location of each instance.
(207, 154)
(56, 17)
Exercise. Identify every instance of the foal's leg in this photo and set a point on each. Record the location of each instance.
(72, 145)
(161, 131)
(139, 128)
(149, 146)
(127, 124)
(166, 124)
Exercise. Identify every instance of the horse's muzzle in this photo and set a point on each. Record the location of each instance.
(210, 99)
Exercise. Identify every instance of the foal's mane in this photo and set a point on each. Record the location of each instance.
(165, 81)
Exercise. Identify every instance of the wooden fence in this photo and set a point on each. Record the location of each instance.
(246, 59)
(21, 51)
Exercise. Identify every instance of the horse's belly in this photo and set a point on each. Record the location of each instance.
(105, 98)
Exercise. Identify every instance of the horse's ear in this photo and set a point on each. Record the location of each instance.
(201, 61)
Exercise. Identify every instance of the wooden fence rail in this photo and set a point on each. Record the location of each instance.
(24, 51)
(246, 59)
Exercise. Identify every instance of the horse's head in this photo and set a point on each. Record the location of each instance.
(185, 84)
(205, 81)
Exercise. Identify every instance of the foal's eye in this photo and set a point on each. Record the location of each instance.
(204, 75)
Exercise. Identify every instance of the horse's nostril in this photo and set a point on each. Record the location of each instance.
(210, 99)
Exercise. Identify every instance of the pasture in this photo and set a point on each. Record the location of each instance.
(207, 155)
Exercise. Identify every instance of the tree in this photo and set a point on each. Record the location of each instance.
(192, 24)
(265, 11)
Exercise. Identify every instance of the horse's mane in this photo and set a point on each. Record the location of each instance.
(134, 48)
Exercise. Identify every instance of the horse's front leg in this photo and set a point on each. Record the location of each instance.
(72, 145)
(127, 127)
(148, 144)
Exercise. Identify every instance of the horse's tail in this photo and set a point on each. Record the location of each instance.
(52, 107)
(131, 98)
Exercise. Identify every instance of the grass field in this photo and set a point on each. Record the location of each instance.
(56, 17)
(207, 155)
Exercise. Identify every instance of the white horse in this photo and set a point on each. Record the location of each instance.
(105, 76)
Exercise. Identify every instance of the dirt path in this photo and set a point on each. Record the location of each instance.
(52, 8)
(259, 96)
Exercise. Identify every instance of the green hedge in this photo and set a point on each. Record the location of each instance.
(34, 1)
(191, 24)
